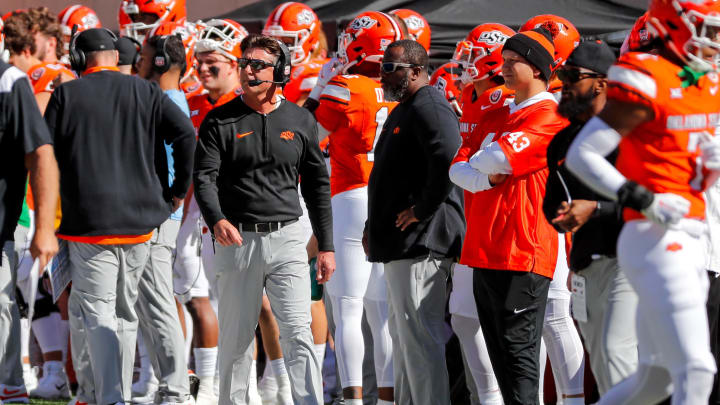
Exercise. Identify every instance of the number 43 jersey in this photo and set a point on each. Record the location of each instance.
(664, 154)
(353, 109)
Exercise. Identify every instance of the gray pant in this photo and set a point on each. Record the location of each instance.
(158, 316)
(278, 261)
(610, 335)
(10, 364)
(417, 292)
(103, 323)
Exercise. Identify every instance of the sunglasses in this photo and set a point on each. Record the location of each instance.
(575, 75)
(389, 67)
(255, 64)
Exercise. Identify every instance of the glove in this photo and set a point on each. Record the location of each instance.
(667, 208)
(710, 151)
(328, 71)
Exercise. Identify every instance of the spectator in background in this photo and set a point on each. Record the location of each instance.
(415, 221)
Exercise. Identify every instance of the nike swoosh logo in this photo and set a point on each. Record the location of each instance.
(484, 107)
(59, 387)
(519, 311)
(243, 135)
(6, 392)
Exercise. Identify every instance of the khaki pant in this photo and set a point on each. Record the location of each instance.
(103, 323)
(277, 261)
(158, 316)
(417, 291)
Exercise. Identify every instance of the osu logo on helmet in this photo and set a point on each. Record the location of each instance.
(362, 23)
(296, 25)
(365, 39)
(493, 38)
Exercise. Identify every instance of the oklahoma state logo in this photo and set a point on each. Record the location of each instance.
(287, 135)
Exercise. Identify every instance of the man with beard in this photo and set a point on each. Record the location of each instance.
(415, 221)
(607, 320)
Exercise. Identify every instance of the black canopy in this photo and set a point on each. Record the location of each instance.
(451, 20)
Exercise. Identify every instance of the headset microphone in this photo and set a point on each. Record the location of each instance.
(257, 82)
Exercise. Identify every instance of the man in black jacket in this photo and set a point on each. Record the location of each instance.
(603, 300)
(251, 154)
(110, 132)
(415, 221)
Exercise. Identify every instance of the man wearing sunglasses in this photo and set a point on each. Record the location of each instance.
(252, 152)
(415, 221)
(607, 321)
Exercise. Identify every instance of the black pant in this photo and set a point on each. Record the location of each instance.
(511, 309)
(713, 311)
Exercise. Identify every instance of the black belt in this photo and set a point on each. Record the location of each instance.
(265, 227)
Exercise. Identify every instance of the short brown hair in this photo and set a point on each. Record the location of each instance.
(46, 23)
(269, 44)
(19, 34)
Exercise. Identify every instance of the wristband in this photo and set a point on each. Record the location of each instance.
(635, 196)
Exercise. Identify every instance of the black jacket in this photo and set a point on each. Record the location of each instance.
(598, 236)
(247, 167)
(412, 158)
(109, 131)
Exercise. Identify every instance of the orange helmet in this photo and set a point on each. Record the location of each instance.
(565, 36)
(77, 15)
(366, 37)
(638, 37)
(480, 54)
(187, 33)
(687, 27)
(123, 20)
(300, 24)
(447, 79)
(223, 36)
(4, 55)
(164, 10)
(417, 26)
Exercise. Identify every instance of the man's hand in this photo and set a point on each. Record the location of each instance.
(570, 217)
(325, 266)
(227, 234)
(43, 247)
(496, 179)
(177, 202)
(405, 219)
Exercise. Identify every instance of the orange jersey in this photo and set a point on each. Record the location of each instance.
(47, 76)
(200, 105)
(192, 89)
(506, 229)
(663, 154)
(302, 79)
(352, 108)
(474, 105)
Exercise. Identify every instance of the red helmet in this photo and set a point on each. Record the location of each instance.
(164, 10)
(480, 54)
(686, 28)
(189, 35)
(447, 79)
(565, 36)
(300, 24)
(223, 36)
(417, 26)
(366, 37)
(123, 20)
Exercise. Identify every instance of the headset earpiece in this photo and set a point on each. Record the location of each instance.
(161, 60)
(77, 56)
(281, 71)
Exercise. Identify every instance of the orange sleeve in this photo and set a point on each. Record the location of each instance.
(333, 111)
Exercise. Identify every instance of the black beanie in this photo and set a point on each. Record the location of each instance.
(536, 46)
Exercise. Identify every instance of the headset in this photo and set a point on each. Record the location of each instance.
(161, 61)
(281, 70)
(138, 49)
(78, 60)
